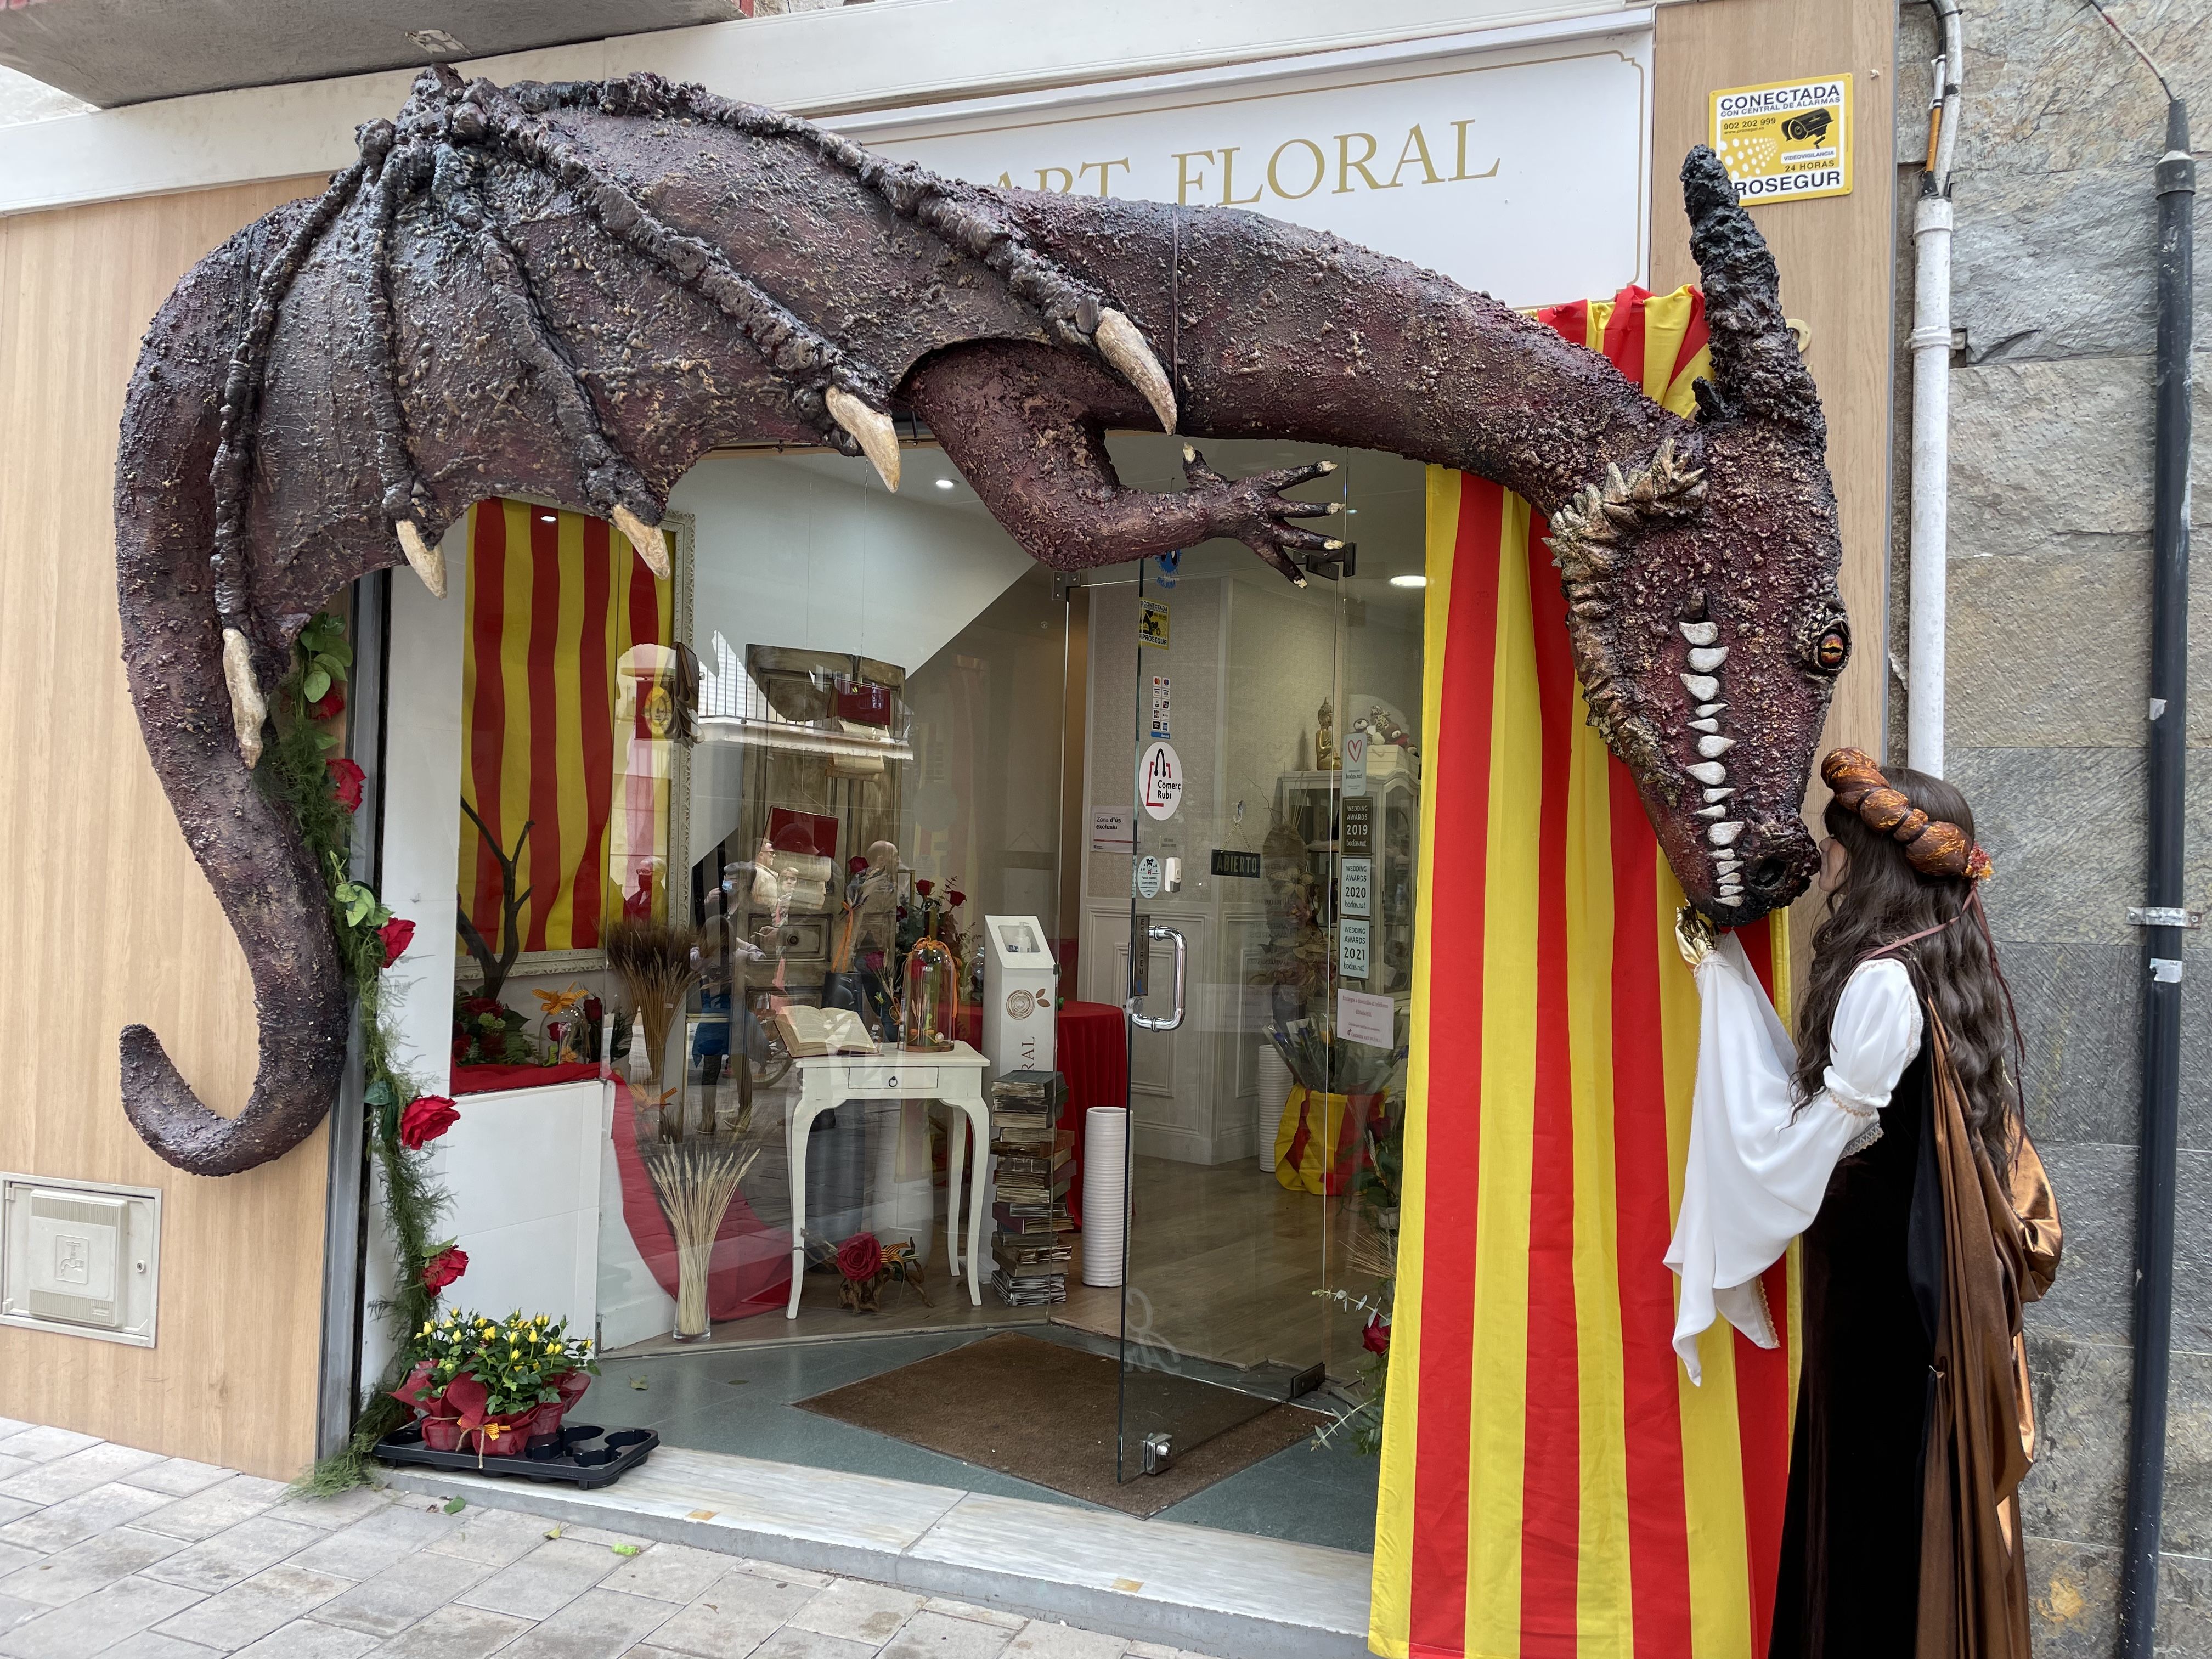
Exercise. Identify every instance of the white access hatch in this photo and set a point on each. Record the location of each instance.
(79, 1257)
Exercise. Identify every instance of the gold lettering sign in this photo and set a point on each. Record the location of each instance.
(1295, 168)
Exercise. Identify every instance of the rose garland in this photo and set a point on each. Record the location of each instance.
(323, 792)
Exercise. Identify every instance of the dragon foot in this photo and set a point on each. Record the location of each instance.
(1253, 510)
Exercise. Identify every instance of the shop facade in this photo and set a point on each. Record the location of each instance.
(846, 718)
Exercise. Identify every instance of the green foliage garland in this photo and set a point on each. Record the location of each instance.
(299, 772)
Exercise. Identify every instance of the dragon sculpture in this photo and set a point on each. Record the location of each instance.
(572, 292)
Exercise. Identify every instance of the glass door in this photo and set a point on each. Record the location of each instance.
(1232, 953)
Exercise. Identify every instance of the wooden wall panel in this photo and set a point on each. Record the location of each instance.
(104, 917)
(1834, 253)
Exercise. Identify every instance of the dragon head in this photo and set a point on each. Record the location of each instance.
(1706, 622)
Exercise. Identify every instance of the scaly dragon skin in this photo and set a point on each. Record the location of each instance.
(572, 292)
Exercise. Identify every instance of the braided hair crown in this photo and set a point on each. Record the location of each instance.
(1934, 847)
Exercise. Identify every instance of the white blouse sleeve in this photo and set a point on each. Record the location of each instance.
(1759, 1165)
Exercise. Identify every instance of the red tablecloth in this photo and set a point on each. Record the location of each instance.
(484, 1079)
(750, 1272)
(1091, 1049)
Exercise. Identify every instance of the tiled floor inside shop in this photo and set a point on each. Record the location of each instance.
(1225, 1265)
(742, 1401)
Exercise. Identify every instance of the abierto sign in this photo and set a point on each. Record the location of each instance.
(1786, 141)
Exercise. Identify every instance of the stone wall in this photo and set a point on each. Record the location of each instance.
(2047, 682)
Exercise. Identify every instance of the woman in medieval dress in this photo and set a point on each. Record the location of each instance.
(1891, 1136)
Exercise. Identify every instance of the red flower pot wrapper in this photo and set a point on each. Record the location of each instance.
(415, 1392)
(396, 934)
(423, 1118)
(1375, 1337)
(346, 780)
(860, 1257)
(443, 1269)
(441, 1433)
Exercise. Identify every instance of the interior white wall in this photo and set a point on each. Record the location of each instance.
(812, 553)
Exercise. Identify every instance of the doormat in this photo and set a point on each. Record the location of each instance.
(1045, 1412)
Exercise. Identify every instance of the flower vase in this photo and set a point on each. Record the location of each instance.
(930, 1014)
(693, 1261)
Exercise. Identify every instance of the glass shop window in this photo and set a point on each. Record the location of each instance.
(698, 811)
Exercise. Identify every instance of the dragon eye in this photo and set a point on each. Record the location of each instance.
(1833, 649)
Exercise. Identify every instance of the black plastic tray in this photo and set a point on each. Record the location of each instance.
(587, 1456)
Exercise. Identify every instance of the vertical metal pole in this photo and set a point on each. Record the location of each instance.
(2167, 759)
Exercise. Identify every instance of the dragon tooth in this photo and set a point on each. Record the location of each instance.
(1702, 687)
(1710, 772)
(1727, 866)
(1706, 658)
(426, 558)
(873, 429)
(1707, 710)
(1724, 833)
(1713, 746)
(247, 709)
(1700, 633)
(1712, 811)
(1121, 344)
(1718, 794)
(651, 546)
(1705, 725)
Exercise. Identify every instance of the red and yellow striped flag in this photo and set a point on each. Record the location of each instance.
(1553, 1487)
(556, 600)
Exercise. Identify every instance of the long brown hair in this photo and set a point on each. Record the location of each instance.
(1884, 899)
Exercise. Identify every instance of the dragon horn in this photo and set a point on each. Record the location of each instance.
(1122, 345)
(651, 546)
(1756, 365)
(872, 428)
(247, 709)
(425, 554)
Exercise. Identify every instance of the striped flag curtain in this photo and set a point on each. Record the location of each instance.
(1553, 1486)
(557, 732)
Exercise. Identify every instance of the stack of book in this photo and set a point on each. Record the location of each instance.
(1033, 1162)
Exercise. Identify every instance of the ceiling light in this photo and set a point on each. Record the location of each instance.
(1409, 581)
(944, 483)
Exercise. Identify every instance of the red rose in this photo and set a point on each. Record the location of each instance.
(855, 865)
(955, 899)
(424, 1118)
(396, 934)
(331, 704)
(594, 1010)
(925, 888)
(491, 1005)
(1376, 1339)
(860, 1256)
(346, 780)
(443, 1269)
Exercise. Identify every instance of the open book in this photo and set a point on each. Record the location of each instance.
(807, 1032)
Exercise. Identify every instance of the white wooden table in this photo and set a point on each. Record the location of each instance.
(954, 1076)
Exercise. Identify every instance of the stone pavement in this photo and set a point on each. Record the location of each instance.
(124, 1555)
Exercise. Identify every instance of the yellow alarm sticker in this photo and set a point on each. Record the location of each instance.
(1786, 141)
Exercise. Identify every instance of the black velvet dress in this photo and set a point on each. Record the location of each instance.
(1849, 1586)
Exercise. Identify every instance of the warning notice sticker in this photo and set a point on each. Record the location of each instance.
(1787, 141)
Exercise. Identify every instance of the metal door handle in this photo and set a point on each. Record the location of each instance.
(1182, 962)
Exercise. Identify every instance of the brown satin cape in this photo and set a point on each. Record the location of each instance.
(2001, 1246)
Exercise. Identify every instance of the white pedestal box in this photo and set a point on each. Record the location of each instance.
(1019, 987)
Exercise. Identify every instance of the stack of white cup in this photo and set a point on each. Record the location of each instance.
(1105, 1193)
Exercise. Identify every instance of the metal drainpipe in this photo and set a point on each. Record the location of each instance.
(1931, 410)
(2164, 918)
